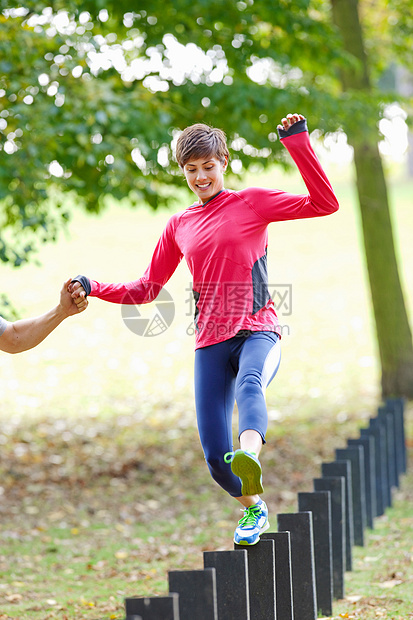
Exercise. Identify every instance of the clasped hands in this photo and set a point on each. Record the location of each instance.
(78, 295)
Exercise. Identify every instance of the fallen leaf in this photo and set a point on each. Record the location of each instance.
(390, 584)
(354, 598)
(31, 510)
(121, 555)
(13, 598)
(56, 516)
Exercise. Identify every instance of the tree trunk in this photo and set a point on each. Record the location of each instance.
(392, 325)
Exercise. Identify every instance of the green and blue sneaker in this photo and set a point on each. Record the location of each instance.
(247, 467)
(252, 524)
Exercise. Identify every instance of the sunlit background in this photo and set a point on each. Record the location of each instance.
(92, 364)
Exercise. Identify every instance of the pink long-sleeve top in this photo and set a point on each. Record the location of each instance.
(224, 242)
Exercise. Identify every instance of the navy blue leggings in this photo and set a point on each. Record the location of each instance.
(237, 369)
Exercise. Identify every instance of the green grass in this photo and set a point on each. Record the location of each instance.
(381, 583)
(115, 512)
(103, 484)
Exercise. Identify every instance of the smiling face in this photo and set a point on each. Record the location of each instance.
(205, 176)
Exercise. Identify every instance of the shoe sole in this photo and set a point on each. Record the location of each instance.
(249, 471)
(247, 544)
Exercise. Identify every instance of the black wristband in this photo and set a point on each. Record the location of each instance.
(298, 127)
(85, 282)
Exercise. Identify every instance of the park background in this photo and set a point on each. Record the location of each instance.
(103, 485)
(94, 360)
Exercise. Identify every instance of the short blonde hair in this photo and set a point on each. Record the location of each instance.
(201, 141)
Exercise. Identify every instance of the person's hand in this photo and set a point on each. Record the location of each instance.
(76, 290)
(78, 295)
(289, 120)
(70, 305)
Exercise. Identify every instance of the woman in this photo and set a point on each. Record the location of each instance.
(223, 237)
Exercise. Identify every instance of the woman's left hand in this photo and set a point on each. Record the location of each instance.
(289, 120)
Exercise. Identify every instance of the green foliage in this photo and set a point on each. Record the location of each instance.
(8, 311)
(388, 27)
(90, 95)
(89, 125)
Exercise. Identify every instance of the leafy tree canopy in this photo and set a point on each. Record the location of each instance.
(92, 94)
